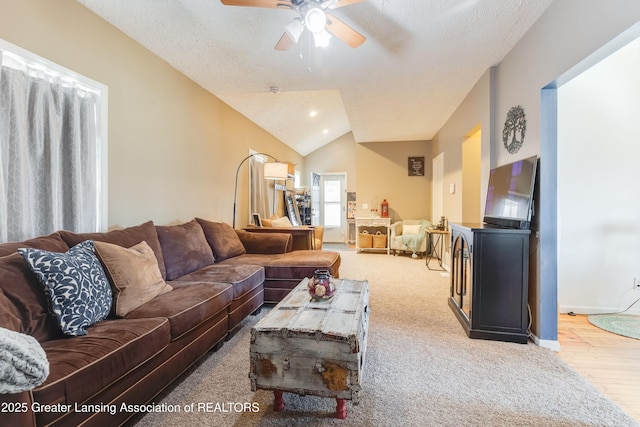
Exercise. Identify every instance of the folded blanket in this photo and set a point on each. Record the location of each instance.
(23, 362)
(414, 241)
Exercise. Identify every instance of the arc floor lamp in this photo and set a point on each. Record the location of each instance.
(272, 170)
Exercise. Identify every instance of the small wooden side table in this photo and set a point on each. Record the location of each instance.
(436, 246)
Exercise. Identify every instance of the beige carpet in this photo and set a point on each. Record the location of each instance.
(420, 370)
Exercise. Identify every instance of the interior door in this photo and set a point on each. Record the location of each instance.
(333, 207)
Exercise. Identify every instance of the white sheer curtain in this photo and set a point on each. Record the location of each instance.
(260, 188)
(48, 154)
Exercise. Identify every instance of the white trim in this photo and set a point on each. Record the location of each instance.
(553, 345)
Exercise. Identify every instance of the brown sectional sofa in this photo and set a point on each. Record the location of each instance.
(218, 277)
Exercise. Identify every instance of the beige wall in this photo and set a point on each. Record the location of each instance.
(382, 169)
(378, 171)
(337, 156)
(473, 115)
(173, 147)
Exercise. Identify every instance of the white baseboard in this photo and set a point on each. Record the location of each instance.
(553, 345)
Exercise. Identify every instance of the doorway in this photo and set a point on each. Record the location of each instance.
(551, 169)
(332, 207)
(471, 176)
(437, 188)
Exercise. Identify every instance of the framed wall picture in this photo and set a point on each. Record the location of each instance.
(416, 166)
(257, 221)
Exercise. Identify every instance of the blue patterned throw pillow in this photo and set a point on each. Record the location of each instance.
(75, 284)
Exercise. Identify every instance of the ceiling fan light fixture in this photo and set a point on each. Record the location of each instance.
(315, 19)
(295, 29)
(322, 38)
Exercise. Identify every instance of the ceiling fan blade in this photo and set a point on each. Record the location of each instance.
(285, 42)
(344, 32)
(341, 3)
(258, 3)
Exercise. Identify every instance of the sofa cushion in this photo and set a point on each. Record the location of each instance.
(25, 309)
(184, 248)
(83, 366)
(294, 265)
(265, 243)
(243, 278)
(187, 305)
(52, 242)
(75, 285)
(222, 238)
(125, 237)
(9, 317)
(133, 273)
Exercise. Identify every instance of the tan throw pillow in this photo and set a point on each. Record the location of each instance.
(267, 222)
(281, 222)
(133, 273)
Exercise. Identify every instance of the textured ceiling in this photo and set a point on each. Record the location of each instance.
(419, 61)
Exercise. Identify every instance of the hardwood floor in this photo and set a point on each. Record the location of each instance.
(608, 361)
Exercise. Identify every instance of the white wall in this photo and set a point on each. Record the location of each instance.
(566, 34)
(598, 185)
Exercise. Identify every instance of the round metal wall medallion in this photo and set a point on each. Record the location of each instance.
(514, 127)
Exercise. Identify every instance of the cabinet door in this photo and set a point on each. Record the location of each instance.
(502, 268)
(461, 283)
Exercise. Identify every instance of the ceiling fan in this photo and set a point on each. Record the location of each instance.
(313, 16)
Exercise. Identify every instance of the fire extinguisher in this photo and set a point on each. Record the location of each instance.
(384, 209)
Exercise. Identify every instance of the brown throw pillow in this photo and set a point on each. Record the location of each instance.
(185, 248)
(125, 237)
(133, 273)
(222, 238)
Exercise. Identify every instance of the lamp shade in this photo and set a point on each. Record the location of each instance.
(295, 29)
(276, 171)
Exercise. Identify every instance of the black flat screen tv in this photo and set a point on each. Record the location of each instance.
(510, 194)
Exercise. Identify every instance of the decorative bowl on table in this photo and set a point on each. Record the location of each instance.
(320, 286)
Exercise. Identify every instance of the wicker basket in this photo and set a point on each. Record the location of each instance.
(379, 240)
(364, 239)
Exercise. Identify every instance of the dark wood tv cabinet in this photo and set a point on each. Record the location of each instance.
(489, 281)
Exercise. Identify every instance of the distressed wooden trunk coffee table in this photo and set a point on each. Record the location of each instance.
(313, 348)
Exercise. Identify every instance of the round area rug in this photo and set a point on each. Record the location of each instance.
(625, 325)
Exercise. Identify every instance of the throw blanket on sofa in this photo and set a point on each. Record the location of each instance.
(23, 362)
(414, 241)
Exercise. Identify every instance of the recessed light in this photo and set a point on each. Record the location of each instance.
(326, 131)
(313, 113)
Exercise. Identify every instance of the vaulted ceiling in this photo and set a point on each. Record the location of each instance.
(419, 61)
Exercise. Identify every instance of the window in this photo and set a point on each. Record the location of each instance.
(53, 141)
(332, 204)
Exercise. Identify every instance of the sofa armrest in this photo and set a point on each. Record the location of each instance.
(396, 229)
(265, 243)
